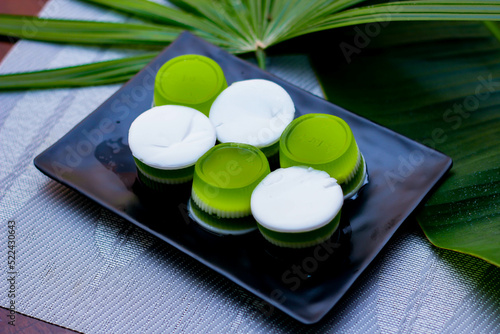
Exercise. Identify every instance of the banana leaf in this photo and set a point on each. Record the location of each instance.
(443, 90)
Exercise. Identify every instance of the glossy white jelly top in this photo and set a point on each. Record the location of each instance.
(296, 199)
(252, 112)
(171, 136)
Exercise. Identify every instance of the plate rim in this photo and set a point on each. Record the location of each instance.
(446, 162)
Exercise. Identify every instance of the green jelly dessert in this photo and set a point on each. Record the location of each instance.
(324, 142)
(166, 141)
(253, 112)
(189, 80)
(297, 207)
(224, 178)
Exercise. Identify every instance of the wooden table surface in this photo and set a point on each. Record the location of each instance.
(18, 7)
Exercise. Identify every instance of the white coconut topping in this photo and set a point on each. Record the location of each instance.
(252, 112)
(296, 199)
(171, 136)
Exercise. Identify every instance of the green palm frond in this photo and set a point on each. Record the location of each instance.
(84, 32)
(239, 26)
(152, 11)
(88, 32)
(100, 73)
(442, 10)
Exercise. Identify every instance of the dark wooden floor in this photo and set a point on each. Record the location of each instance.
(19, 7)
(22, 324)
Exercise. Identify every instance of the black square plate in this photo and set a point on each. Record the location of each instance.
(94, 159)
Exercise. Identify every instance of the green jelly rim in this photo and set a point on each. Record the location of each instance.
(261, 173)
(301, 239)
(351, 187)
(221, 225)
(269, 151)
(340, 165)
(228, 199)
(217, 211)
(174, 96)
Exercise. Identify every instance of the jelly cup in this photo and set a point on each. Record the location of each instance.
(166, 141)
(224, 178)
(189, 80)
(297, 207)
(324, 142)
(254, 112)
